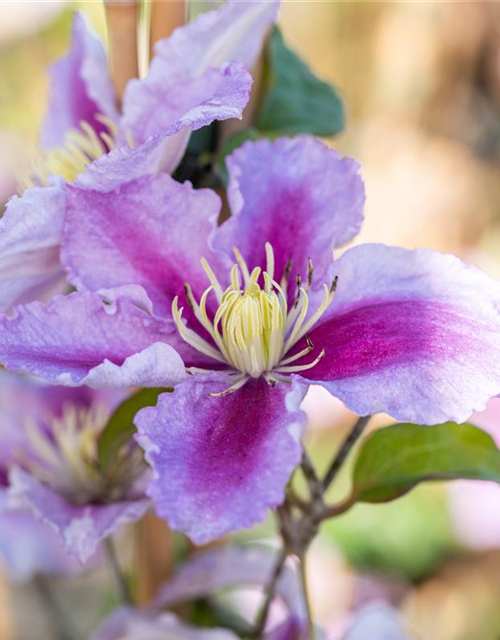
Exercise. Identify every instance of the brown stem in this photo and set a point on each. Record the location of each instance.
(122, 17)
(120, 580)
(270, 592)
(61, 622)
(307, 598)
(338, 509)
(165, 16)
(344, 451)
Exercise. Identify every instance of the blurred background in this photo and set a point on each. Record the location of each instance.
(421, 83)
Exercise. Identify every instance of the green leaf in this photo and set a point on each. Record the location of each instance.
(297, 101)
(120, 427)
(395, 459)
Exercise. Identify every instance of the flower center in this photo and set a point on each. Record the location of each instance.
(81, 147)
(65, 457)
(253, 328)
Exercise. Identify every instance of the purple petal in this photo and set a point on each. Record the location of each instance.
(77, 340)
(293, 628)
(156, 103)
(151, 232)
(377, 622)
(134, 624)
(219, 94)
(219, 463)
(186, 70)
(28, 547)
(30, 232)
(230, 567)
(80, 528)
(80, 87)
(297, 194)
(233, 32)
(415, 334)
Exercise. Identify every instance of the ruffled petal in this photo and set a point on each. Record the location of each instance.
(151, 232)
(219, 94)
(219, 463)
(77, 339)
(135, 624)
(377, 622)
(233, 32)
(28, 547)
(30, 232)
(183, 76)
(296, 194)
(80, 528)
(80, 87)
(415, 334)
(231, 567)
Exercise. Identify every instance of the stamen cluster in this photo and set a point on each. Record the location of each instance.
(81, 147)
(254, 329)
(65, 457)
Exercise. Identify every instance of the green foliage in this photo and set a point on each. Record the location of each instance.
(395, 459)
(297, 101)
(120, 427)
(409, 538)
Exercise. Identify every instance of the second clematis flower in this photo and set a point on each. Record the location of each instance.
(244, 316)
(50, 478)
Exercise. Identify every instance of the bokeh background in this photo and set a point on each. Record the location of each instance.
(421, 83)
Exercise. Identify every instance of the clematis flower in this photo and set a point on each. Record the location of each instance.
(198, 75)
(27, 547)
(415, 334)
(50, 473)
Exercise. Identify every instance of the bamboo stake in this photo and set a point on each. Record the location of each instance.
(166, 15)
(154, 553)
(122, 17)
(154, 541)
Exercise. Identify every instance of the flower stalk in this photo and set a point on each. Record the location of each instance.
(121, 582)
(346, 447)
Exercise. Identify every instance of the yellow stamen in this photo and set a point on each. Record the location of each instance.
(81, 147)
(253, 328)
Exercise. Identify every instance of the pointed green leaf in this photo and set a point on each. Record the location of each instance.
(297, 101)
(120, 427)
(395, 459)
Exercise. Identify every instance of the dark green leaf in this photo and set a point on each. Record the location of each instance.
(395, 459)
(120, 427)
(297, 101)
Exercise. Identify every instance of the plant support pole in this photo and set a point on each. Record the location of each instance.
(122, 18)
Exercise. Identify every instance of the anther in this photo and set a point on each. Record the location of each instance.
(310, 272)
(189, 295)
(333, 287)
